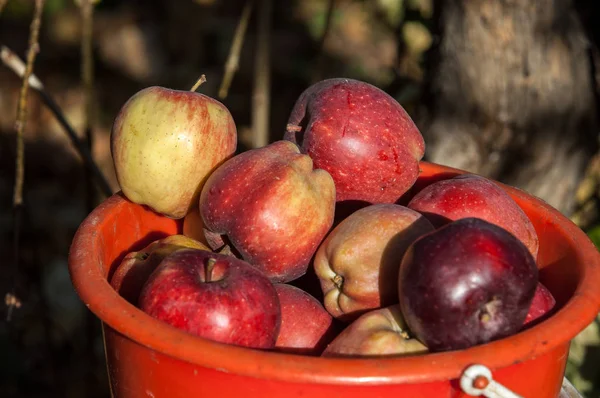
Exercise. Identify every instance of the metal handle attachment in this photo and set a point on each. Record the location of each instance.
(477, 381)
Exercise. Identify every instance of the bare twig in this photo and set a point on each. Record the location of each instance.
(233, 60)
(87, 79)
(13, 62)
(262, 77)
(318, 71)
(87, 59)
(198, 83)
(16, 64)
(34, 48)
(20, 123)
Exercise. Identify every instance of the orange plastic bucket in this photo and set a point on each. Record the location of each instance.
(147, 358)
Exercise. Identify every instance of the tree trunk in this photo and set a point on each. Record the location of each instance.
(510, 94)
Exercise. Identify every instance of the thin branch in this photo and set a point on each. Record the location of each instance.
(262, 77)
(34, 48)
(87, 80)
(13, 62)
(233, 60)
(20, 123)
(318, 71)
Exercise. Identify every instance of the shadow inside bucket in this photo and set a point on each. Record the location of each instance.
(561, 278)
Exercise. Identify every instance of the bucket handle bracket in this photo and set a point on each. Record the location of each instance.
(477, 381)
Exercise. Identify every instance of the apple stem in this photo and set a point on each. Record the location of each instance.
(338, 281)
(226, 250)
(210, 264)
(292, 128)
(198, 83)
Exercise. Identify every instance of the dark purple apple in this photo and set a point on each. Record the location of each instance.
(306, 326)
(467, 283)
(359, 134)
(215, 296)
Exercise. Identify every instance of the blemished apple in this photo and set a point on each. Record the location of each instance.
(470, 195)
(361, 135)
(378, 333)
(136, 267)
(306, 327)
(165, 143)
(541, 306)
(467, 283)
(214, 296)
(272, 206)
(358, 262)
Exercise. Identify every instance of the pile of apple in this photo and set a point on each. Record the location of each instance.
(316, 244)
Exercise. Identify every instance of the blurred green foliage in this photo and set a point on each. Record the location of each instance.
(594, 234)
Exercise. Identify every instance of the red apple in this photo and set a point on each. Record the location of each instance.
(306, 327)
(467, 283)
(362, 136)
(273, 207)
(358, 262)
(136, 267)
(164, 145)
(376, 333)
(471, 195)
(541, 306)
(215, 296)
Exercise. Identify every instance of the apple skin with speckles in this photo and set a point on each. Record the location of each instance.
(165, 143)
(378, 333)
(358, 262)
(470, 195)
(541, 307)
(467, 283)
(272, 207)
(306, 326)
(214, 296)
(136, 267)
(361, 135)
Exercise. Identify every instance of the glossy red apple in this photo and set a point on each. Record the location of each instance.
(358, 262)
(362, 136)
(164, 145)
(467, 283)
(470, 195)
(378, 333)
(215, 296)
(306, 327)
(272, 206)
(541, 306)
(136, 267)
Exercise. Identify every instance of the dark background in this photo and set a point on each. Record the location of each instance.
(506, 88)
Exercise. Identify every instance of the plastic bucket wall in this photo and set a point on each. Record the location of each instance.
(147, 358)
